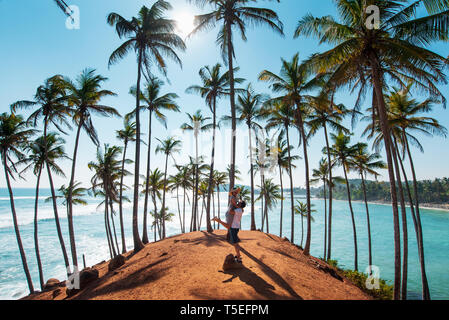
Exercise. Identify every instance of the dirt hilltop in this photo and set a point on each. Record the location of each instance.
(189, 266)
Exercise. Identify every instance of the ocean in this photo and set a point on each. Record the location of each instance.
(91, 238)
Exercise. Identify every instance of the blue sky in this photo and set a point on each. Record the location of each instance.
(36, 45)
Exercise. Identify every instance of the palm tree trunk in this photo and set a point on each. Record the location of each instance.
(197, 176)
(306, 164)
(329, 233)
(184, 212)
(377, 77)
(348, 190)
(153, 196)
(69, 200)
(163, 198)
(122, 228)
(325, 220)
(253, 217)
(424, 283)
(58, 225)
(370, 252)
(218, 196)
(266, 213)
(16, 226)
(232, 99)
(179, 208)
(113, 226)
(292, 201)
(211, 172)
(36, 234)
(404, 225)
(106, 226)
(138, 244)
(282, 201)
(145, 205)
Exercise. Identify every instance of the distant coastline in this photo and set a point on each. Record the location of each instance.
(430, 206)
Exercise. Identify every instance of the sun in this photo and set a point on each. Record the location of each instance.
(184, 22)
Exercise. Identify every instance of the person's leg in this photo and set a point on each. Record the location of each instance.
(221, 222)
(237, 252)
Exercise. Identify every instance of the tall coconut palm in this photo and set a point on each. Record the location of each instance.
(248, 111)
(13, 136)
(156, 183)
(85, 94)
(327, 115)
(281, 116)
(221, 178)
(155, 104)
(107, 171)
(77, 195)
(230, 15)
(396, 48)
(214, 86)
(343, 152)
(285, 161)
(51, 101)
(152, 36)
(293, 83)
(366, 163)
(271, 193)
(127, 134)
(197, 123)
(322, 175)
(302, 210)
(44, 151)
(168, 147)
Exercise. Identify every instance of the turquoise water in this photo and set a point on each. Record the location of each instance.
(91, 240)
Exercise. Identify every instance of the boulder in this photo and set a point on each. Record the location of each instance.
(230, 263)
(116, 263)
(51, 284)
(56, 293)
(86, 277)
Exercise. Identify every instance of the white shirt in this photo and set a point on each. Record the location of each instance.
(237, 218)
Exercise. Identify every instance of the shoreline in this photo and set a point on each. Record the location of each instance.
(429, 206)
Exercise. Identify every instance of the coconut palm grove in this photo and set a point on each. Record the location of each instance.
(126, 123)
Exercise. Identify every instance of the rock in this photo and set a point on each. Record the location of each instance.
(88, 276)
(286, 239)
(117, 262)
(51, 284)
(230, 263)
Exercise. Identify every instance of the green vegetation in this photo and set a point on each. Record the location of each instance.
(385, 291)
(429, 191)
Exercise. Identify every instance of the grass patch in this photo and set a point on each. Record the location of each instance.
(385, 291)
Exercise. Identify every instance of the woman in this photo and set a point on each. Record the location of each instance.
(233, 204)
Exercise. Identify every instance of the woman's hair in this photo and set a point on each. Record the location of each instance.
(242, 204)
(234, 191)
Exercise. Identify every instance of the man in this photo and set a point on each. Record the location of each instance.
(234, 228)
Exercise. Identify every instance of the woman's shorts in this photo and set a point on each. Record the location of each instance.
(233, 236)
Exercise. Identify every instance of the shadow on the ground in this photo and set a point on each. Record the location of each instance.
(273, 275)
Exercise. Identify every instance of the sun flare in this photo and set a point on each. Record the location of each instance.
(184, 22)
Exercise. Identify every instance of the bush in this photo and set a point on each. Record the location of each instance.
(385, 291)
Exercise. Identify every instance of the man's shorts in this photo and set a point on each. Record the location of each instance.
(233, 236)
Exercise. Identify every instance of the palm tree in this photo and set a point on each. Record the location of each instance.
(213, 87)
(248, 111)
(237, 14)
(220, 179)
(51, 97)
(45, 151)
(343, 153)
(196, 125)
(281, 116)
(293, 83)
(271, 193)
(152, 37)
(13, 135)
(326, 114)
(155, 103)
(77, 195)
(366, 163)
(85, 95)
(322, 175)
(302, 210)
(156, 184)
(107, 171)
(284, 163)
(169, 147)
(127, 134)
(365, 55)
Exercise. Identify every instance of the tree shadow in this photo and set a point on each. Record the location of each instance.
(136, 279)
(208, 239)
(273, 275)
